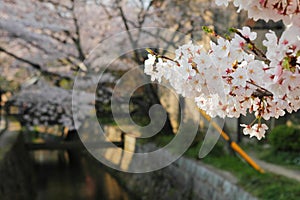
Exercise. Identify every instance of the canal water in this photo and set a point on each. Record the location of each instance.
(86, 179)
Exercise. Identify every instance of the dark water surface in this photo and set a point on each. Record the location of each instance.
(85, 179)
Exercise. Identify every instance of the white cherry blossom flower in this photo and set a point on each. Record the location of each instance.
(247, 129)
(240, 77)
(149, 63)
(221, 49)
(228, 81)
(259, 131)
(246, 32)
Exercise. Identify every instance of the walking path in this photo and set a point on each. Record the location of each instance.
(277, 169)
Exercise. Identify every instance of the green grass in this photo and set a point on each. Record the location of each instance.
(106, 121)
(163, 140)
(263, 186)
(287, 159)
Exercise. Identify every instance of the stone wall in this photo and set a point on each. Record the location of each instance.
(184, 179)
(16, 173)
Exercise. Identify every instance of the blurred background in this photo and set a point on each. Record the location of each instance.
(46, 44)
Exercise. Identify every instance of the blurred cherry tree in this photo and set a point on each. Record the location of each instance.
(43, 43)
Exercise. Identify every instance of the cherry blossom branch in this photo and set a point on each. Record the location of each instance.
(161, 56)
(35, 65)
(221, 80)
(77, 39)
(251, 45)
(260, 91)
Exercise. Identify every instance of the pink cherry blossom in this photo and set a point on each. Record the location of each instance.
(230, 79)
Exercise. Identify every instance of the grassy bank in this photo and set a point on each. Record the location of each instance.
(263, 186)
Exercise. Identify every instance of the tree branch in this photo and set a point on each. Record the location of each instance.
(133, 43)
(77, 40)
(35, 65)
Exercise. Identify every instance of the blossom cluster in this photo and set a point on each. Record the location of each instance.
(233, 77)
(286, 10)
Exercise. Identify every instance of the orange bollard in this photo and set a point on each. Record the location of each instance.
(233, 144)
